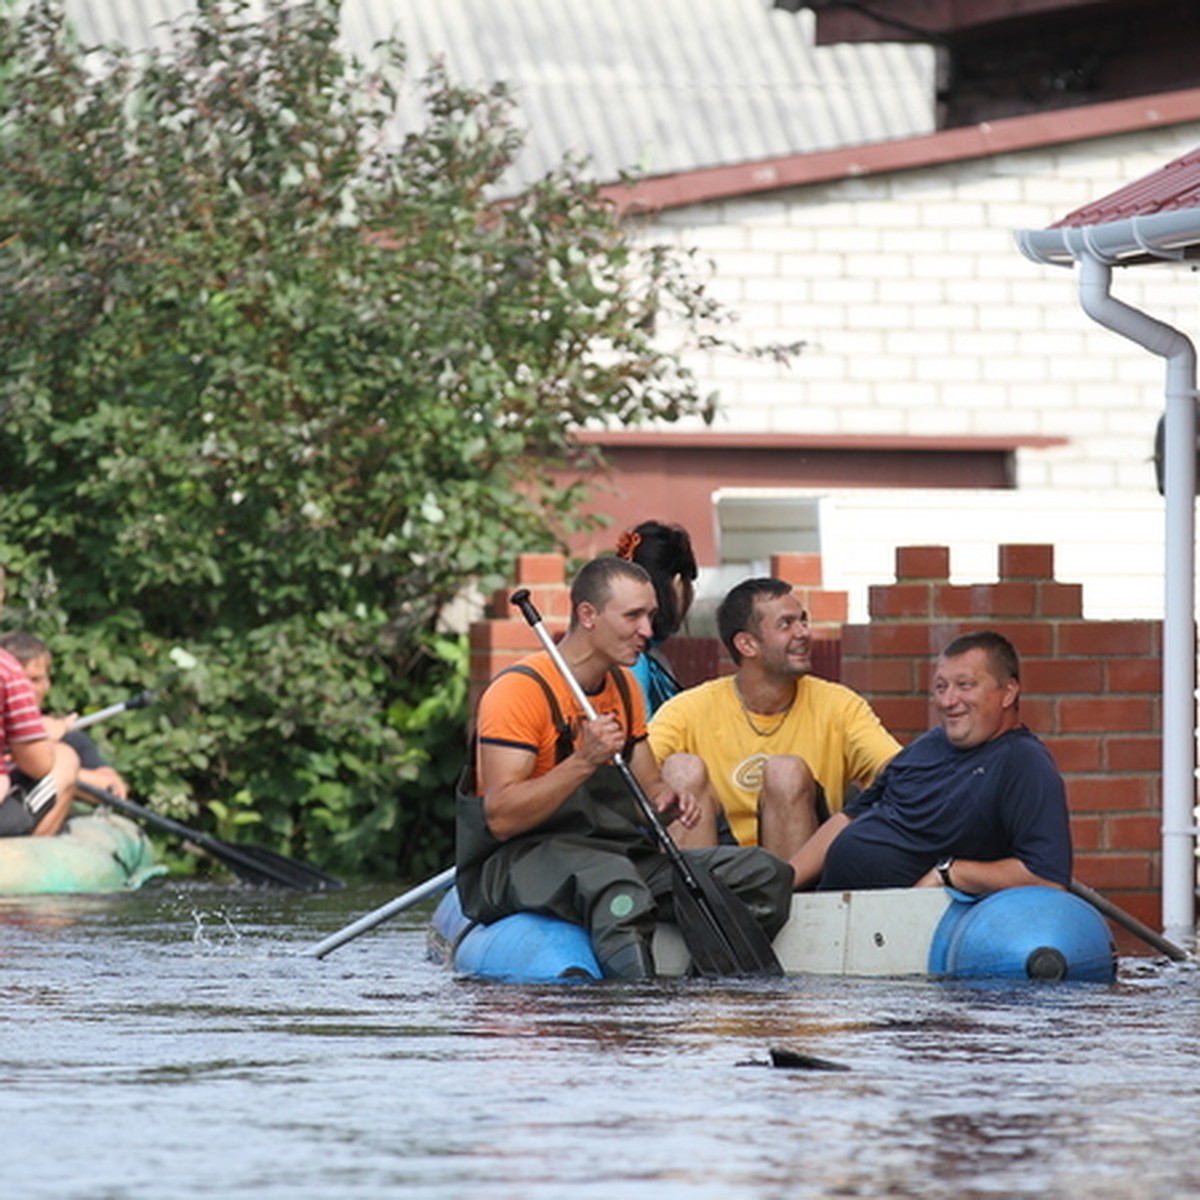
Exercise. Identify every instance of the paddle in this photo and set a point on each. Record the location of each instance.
(720, 932)
(254, 864)
(138, 701)
(1120, 917)
(431, 887)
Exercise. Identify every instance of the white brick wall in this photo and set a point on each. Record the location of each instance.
(921, 317)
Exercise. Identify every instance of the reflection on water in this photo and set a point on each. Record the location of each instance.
(175, 1044)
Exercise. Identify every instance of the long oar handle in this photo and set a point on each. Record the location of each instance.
(522, 601)
(138, 701)
(1120, 917)
(431, 887)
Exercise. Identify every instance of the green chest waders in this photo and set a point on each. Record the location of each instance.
(580, 865)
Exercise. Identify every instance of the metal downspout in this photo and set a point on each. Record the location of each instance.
(1179, 649)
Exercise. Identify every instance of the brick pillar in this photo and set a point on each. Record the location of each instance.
(504, 636)
(827, 610)
(1090, 689)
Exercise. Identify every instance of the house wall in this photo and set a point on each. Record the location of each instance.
(921, 317)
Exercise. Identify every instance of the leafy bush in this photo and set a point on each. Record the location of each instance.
(283, 377)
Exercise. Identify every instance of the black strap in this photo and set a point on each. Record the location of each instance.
(565, 745)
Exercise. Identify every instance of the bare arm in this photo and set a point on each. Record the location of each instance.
(35, 758)
(979, 878)
(809, 860)
(108, 778)
(671, 805)
(514, 801)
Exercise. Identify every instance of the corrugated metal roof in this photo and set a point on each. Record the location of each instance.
(1171, 188)
(661, 86)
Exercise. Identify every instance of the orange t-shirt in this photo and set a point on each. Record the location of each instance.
(513, 711)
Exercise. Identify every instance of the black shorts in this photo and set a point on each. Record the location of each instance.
(27, 802)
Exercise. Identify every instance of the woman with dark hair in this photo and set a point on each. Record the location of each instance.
(665, 552)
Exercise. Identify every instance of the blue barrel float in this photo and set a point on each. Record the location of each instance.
(524, 948)
(1023, 933)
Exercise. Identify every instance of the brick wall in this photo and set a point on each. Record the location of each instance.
(1090, 689)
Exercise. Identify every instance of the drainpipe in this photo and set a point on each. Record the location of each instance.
(1179, 648)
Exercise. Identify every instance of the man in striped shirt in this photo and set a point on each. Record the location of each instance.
(37, 780)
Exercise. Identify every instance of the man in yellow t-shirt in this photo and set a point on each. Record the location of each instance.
(772, 749)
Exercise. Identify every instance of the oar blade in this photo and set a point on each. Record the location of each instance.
(720, 931)
(289, 872)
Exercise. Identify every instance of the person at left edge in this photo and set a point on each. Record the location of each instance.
(37, 782)
(547, 824)
(34, 656)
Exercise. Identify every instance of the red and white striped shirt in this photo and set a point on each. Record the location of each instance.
(20, 717)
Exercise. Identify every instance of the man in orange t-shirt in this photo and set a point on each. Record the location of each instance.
(548, 824)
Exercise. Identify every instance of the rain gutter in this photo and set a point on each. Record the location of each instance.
(1096, 248)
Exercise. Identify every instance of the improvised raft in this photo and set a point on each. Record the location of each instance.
(1033, 933)
(101, 852)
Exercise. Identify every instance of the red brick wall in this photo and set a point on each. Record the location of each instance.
(504, 636)
(1090, 689)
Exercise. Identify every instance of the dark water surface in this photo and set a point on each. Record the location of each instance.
(174, 1044)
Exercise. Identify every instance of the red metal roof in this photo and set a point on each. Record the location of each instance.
(1169, 189)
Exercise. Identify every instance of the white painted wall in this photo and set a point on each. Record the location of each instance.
(922, 317)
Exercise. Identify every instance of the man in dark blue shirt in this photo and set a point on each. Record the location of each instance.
(976, 804)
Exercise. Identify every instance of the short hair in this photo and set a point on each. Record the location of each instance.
(665, 551)
(736, 613)
(1001, 653)
(23, 646)
(594, 583)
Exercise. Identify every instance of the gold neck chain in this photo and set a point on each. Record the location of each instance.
(764, 733)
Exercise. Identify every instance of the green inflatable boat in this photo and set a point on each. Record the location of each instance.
(98, 852)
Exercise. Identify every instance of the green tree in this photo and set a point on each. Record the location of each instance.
(281, 378)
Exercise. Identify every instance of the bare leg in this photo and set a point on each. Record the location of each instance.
(687, 773)
(787, 805)
(65, 771)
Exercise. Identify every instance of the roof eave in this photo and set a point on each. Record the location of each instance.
(1157, 237)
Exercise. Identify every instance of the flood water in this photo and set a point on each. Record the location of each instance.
(175, 1043)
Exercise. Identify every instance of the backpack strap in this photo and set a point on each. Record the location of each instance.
(565, 745)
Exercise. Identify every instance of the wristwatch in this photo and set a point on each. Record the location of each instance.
(943, 869)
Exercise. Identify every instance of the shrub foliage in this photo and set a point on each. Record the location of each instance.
(282, 376)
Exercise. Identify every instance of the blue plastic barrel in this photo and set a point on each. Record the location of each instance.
(525, 948)
(1023, 933)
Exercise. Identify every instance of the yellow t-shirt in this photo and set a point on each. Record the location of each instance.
(831, 727)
